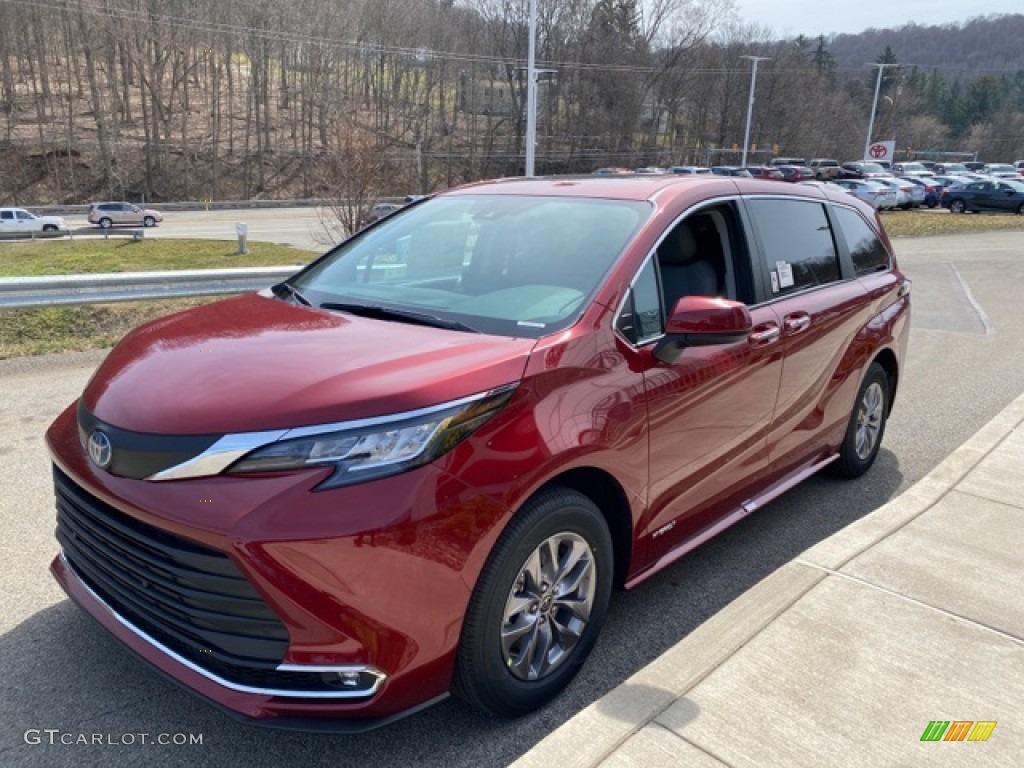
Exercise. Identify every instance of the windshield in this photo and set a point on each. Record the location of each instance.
(503, 264)
(872, 168)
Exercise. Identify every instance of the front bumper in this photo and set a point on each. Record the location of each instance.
(369, 581)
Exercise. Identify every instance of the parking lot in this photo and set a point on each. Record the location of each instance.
(67, 675)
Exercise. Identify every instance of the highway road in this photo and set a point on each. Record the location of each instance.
(63, 672)
(305, 228)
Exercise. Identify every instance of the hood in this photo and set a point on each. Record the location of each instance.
(256, 363)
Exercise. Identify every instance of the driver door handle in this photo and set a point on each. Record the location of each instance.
(765, 334)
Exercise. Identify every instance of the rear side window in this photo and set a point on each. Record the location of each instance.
(799, 252)
(866, 250)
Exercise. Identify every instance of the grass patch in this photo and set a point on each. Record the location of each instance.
(42, 331)
(64, 329)
(929, 223)
(71, 257)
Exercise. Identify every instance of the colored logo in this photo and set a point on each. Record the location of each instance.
(100, 450)
(958, 730)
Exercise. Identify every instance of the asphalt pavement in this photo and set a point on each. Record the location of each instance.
(898, 641)
(64, 673)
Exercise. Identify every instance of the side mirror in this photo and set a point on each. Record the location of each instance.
(698, 321)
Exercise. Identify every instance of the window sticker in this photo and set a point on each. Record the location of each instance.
(785, 270)
(775, 282)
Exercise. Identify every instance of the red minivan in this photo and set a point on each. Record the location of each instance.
(420, 465)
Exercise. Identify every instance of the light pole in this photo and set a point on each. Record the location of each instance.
(874, 103)
(531, 92)
(750, 104)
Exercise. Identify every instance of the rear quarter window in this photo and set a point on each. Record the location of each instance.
(798, 248)
(866, 250)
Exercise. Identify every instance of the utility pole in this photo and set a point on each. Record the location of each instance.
(531, 92)
(750, 104)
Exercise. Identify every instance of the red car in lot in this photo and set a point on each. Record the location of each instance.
(420, 465)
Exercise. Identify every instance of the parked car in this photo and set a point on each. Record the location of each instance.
(825, 169)
(649, 170)
(859, 170)
(612, 172)
(1001, 171)
(1019, 165)
(787, 161)
(950, 169)
(904, 190)
(689, 170)
(996, 195)
(729, 170)
(379, 486)
(108, 215)
(765, 172)
(974, 165)
(929, 165)
(932, 185)
(794, 173)
(921, 191)
(877, 196)
(18, 221)
(910, 169)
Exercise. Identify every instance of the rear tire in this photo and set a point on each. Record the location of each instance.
(957, 206)
(537, 607)
(866, 428)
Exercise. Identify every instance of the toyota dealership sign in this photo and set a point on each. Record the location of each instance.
(881, 151)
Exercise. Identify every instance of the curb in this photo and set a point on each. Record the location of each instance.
(593, 735)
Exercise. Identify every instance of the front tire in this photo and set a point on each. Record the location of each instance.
(867, 425)
(106, 223)
(149, 221)
(537, 607)
(49, 228)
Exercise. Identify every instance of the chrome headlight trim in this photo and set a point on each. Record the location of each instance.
(230, 448)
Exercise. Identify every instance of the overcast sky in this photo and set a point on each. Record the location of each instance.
(790, 18)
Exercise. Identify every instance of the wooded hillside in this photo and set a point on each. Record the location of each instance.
(222, 99)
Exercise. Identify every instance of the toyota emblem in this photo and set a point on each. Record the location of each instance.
(100, 450)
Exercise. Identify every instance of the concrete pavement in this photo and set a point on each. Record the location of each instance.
(842, 657)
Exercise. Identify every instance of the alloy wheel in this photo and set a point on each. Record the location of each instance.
(549, 606)
(869, 420)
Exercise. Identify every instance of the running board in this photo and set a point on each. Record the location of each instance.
(773, 491)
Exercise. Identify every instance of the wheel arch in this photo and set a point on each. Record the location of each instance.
(611, 499)
(887, 359)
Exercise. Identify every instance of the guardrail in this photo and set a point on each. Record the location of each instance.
(62, 290)
(75, 209)
(134, 234)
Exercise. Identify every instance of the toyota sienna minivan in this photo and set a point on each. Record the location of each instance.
(421, 465)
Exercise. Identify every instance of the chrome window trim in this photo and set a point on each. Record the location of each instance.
(654, 250)
(230, 448)
(379, 677)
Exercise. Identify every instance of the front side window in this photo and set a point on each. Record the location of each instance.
(510, 265)
(866, 250)
(641, 318)
(798, 249)
(24, 216)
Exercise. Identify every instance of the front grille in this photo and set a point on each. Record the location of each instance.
(190, 598)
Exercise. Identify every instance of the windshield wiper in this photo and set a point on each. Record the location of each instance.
(402, 315)
(292, 291)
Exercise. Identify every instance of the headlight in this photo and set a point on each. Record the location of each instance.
(382, 449)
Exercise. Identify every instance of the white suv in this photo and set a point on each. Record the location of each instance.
(18, 221)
